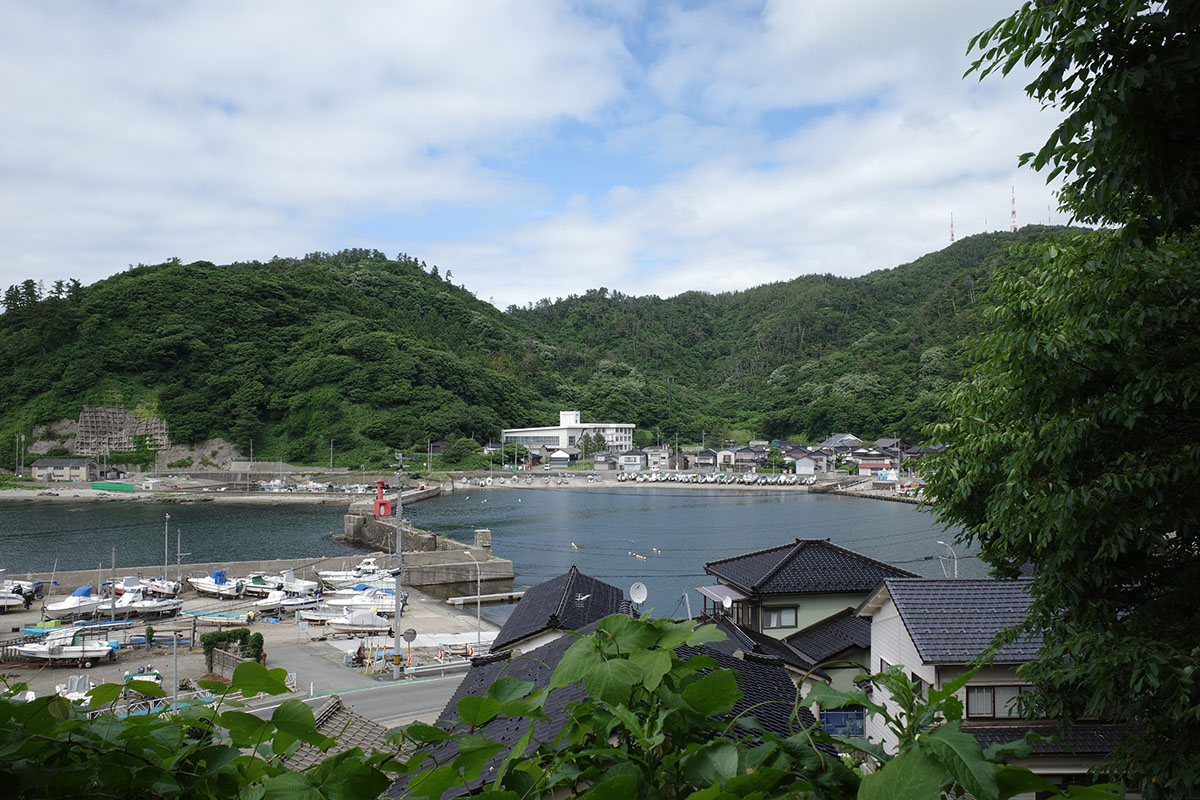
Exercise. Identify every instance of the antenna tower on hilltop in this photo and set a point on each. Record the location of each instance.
(951, 227)
(1013, 217)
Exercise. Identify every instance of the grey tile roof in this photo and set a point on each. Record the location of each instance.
(768, 691)
(832, 636)
(806, 566)
(1083, 739)
(566, 603)
(760, 644)
(63, 462)
(348, 728)
(954, 621)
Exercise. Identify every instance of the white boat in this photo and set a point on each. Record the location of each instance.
(147, 673)
(293, 585)
(281, 602)
(359, 622)
(81, 602)
(366, 571)
(262, 584)
(135, 602)
(218, 584)
(73, 644)
(10, 599)
(161, 587)
(76, 688)
(321, 614)
(382, 601)
(122, 585)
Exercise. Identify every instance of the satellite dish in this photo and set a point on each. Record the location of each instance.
(727, 602)
(638, 593)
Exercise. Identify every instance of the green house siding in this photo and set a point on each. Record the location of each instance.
(810, 608)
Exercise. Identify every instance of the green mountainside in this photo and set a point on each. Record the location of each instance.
(376, 353)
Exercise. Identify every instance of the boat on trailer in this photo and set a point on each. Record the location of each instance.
(70, 645)
(218, 584)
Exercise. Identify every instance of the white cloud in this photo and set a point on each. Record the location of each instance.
(229, 131)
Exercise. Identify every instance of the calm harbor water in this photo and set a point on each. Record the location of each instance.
(542, 531)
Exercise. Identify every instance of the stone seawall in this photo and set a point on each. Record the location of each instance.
(434, 563)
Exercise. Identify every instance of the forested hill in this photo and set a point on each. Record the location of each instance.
(376, 353)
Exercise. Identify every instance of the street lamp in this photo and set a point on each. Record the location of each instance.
(478, 596)
(943, 559)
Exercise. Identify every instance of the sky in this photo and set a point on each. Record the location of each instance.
(533, 149)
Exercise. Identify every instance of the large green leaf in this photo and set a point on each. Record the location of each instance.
(622, 634)
(296, 718)
(654, 664)
(960, 754)
(612, 681)
(1019, 780)
(475, 710)
(575, 664)
(253, 678)
(621, 787)
(290, 786)
(713, 694)
(473, 753)
(712, 764)
(912, 775)
(508, 688)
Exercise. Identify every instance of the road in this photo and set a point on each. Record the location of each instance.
(390, 704)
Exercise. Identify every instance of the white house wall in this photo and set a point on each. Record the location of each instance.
(890, 642)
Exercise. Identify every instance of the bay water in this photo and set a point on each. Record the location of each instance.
(660, 537)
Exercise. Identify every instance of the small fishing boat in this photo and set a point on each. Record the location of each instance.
(366, 571)
(359, 623)
(147, 673)
(218, 617)
(81, 602)
(382, 601)
(281, 602)
(10, 599)
(218, 584)
(261, 584)
(135, 602)
(161, 587)
(321, 614)
(77, 645)
(76, 688)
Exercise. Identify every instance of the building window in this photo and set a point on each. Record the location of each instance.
(997, 702)
(844, 723)
(781, 617)
(919, 685)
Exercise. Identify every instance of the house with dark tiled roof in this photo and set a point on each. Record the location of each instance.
(842, 637)
(937, 629)
(769, 697)
(780, 590)
(842, 442)
(570, 602)
(801, 668)
(347, 728)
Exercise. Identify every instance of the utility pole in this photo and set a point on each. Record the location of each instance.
(166, 562)
(331, 441)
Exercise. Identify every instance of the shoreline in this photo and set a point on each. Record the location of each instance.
(73, 494)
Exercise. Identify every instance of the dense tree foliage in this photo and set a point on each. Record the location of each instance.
(1075, 443)
(374, 353)
(1127, 74)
